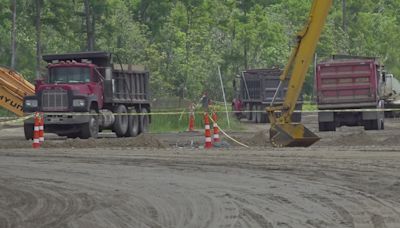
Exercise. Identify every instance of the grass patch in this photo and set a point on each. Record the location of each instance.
(176, 121)
(308, 106)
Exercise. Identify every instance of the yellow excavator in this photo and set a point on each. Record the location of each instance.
(283, 132)
(13, 88)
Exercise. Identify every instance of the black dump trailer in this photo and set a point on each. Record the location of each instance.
(256, 91)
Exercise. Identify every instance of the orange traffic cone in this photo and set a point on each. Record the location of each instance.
(191, 117)
(41, 128)
(208, 143)
(215, 126)
(191, 121)
(36, 143)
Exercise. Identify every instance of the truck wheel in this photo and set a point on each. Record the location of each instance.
(248, 112)
(254, 114)
(374, 124)
(326, 126)
(371, 124)
(259, 114)
(133, 123)
(331, 126)
(121, 121)
(91, 129)
(263, 114)
(72, 135)
(296, 117)
(321, 126)
(144, 121)
(28, 131)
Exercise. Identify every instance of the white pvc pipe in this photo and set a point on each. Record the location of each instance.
(223, 93)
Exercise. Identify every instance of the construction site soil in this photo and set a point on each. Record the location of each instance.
(350, 178)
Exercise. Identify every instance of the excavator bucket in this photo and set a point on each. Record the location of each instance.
(291, 135)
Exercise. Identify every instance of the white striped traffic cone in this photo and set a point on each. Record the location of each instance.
(208, 143)
(36, 143)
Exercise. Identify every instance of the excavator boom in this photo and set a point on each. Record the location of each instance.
(13, 88)
(283, 132)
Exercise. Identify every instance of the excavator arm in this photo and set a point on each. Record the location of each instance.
(283, 132)
(13, 88)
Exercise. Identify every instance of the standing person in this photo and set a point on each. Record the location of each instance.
(205, 101)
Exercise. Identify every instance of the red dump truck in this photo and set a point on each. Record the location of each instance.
(255, 92)
(348, 93)
(87, 92)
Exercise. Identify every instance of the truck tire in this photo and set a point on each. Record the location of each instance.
(90, 129)
(72, 135)
(254, 114)
(326, 126)
(374, 124)
(121, 121)
(263, 115)
(28, 131)
(321, 126)
(296, 117)
(133, 123)
(248, 112)
(144, 121)
(259, 113)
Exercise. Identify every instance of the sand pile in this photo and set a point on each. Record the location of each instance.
(260, 138)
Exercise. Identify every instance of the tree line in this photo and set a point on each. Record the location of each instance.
(182, 42)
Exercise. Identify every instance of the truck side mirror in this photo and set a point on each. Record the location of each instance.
(383, 76)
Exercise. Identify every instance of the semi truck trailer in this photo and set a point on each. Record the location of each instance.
(87, 92)
(348, 93)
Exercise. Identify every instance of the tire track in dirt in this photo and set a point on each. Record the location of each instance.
(111, 190)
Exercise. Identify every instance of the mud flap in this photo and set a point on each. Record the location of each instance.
(291, 135)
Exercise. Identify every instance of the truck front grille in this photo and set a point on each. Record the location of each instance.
(55, 100)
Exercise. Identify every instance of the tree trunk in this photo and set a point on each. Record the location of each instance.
(89, 29)
(344, 16)
(13, 33)
(93, 34)
(38, 40)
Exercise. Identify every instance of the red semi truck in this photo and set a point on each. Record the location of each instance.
(84, 93)
(348, 93)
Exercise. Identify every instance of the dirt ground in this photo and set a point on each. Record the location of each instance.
(350, 178)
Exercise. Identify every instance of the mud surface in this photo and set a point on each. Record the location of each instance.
(350, 178)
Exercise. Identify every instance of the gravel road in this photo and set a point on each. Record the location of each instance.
(354, 184)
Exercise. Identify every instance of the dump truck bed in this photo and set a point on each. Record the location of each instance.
(347, 83)
(261, 85)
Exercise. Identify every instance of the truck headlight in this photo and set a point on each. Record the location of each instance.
(31, 103)
(78, 102)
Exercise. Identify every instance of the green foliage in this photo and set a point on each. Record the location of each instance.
(179, 121)
(182, 42)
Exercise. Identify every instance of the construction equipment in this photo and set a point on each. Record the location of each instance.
(13, 88)
(391, 95)
(283, 132)
(349, 94)
(88, 92)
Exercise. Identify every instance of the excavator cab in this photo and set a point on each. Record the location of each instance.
(283, 132)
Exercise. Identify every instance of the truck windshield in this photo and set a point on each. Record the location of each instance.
(69, 75)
